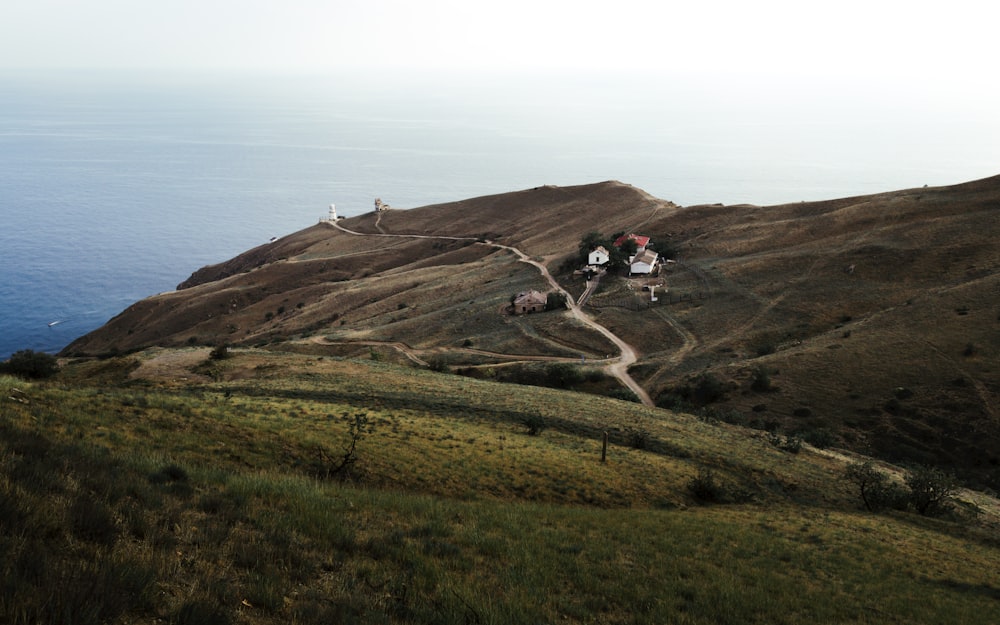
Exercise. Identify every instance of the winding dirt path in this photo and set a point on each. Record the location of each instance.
(617, 368)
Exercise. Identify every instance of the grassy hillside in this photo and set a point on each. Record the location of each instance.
(167, 486)
(873, 320)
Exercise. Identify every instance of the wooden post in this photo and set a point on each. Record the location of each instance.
(604, 448)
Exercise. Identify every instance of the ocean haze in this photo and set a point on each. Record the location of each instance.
(116, 186)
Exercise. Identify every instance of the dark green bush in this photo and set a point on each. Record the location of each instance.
(761, 380)
(819, 438)
(30, 364)
(535, 424)
(705, 488)
(931, 490)
(707, 389)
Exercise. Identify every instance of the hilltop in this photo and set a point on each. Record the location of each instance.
(867, 323)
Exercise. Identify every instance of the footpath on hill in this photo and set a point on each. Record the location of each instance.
(617, 368)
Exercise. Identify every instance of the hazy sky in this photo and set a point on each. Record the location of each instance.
(891, 39)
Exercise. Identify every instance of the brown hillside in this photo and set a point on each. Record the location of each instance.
(876, 318)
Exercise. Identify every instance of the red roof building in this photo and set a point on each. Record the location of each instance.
(640, 241)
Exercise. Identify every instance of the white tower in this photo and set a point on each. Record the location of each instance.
(333, 212)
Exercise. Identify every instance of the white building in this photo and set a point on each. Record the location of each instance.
(599, 256)
(643, 262)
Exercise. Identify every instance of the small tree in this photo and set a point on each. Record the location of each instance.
(30, 364)
(869, 481)
(328, 465)
(876, 489)
(931, 490)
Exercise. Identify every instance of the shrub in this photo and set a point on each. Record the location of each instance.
(705, 488)
(638, 439)
(174, 473)
(30, 364)
(819, 438)
(439, 365)
(761, 380)
(535, 424)
(707, 389)
(625, 394)
(791, 444)
(563, 375)
(328, 466)
(555, 301)
(220, 352)
(931, 490)
(877, 491)
(672, 400)
(765, 349)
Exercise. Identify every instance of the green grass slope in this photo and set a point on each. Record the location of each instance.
(166, 486)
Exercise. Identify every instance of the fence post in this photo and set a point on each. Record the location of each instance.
(604, 448)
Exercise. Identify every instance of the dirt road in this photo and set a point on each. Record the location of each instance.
(617, 368)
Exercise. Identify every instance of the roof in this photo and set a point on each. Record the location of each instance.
(647, 256)
(640, 240)
(599, 248)
(531, 297)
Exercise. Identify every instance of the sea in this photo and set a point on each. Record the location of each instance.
(115, 186)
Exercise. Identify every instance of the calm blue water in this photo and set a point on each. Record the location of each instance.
(117, 187)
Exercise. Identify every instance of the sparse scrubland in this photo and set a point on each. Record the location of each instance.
(285, 440)
(124, 499)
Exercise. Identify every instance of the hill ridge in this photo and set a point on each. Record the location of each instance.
(828, 296)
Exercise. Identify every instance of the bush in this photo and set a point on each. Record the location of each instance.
(761, 380)
(556, 301)
(624, 394)
(819, 438)
(791, 444)
(708, 389)
(534, 423)
(638, 439)
(705, 488)
(672, 400)
(563, 375)
(877, 491)
(931, 490)
(220, 352)
(30, 364)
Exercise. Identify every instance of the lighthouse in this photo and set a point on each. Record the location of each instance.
(333, 212)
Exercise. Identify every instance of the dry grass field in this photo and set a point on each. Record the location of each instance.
(873, 320)
(169, 486)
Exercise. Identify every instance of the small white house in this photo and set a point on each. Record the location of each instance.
(643, 262)
(599, 256)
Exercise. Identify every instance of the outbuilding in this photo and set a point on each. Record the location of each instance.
(529, 302)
